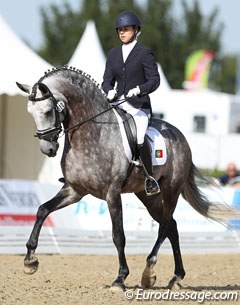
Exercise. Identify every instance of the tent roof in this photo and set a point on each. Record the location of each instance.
(18, 62)
(164, 85)
(88, 55)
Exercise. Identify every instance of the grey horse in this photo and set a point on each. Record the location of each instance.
(94, 162)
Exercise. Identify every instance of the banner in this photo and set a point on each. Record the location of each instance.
(197, 68)
(19, 201)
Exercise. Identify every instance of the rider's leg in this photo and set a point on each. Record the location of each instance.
(151, 186)
(141, 119)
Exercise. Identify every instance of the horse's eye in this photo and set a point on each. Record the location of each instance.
(48, 113)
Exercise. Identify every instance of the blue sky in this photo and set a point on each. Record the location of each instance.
(24, 18)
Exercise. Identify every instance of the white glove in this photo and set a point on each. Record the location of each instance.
(133, 92)
(111, 94)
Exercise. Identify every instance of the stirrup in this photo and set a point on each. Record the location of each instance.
(151, 186)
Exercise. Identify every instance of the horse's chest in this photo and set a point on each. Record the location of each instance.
(85, 168)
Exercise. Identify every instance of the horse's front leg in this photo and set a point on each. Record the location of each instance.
(115, 209)
(64, 197)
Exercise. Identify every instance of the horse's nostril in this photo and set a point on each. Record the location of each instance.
(51, 153)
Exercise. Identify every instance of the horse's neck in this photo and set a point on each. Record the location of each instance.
(89, 117)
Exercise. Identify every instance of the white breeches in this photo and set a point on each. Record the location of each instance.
(141, 120)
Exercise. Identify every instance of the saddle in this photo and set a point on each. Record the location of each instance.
(153, 138)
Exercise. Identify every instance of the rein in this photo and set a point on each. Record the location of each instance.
(95, 116)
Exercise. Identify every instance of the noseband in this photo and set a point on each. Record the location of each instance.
(50, 134)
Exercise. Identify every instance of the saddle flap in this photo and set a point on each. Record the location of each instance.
(130, 128)
(158, 146)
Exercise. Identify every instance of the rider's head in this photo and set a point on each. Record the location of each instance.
(128, 26)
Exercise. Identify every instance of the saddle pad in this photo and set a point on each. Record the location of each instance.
(159, 152)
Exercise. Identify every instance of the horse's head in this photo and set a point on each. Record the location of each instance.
(48, 112)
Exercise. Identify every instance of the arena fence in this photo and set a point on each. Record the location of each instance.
(65, 241)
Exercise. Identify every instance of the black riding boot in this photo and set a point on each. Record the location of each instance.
(151, 185)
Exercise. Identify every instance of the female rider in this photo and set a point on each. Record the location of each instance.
(131, 72)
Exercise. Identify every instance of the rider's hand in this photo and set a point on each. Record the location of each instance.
(133, 92)
(111, 94)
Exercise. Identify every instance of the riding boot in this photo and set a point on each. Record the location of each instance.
(151, 185)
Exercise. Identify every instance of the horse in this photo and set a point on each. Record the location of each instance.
(94, 162)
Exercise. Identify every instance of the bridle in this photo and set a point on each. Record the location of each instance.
(50, 134)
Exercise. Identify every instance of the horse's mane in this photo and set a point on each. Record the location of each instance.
(92, 85)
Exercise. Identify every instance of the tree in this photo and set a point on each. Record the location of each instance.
(224, 74)
(193, 32)
(171, 40)
(62, 28)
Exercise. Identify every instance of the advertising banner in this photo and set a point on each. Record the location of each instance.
(19, 201)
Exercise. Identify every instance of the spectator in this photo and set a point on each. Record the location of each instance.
(232, 177)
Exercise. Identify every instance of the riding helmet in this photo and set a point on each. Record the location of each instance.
(127, 18)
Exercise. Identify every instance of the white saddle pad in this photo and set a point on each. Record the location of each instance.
(159, 152)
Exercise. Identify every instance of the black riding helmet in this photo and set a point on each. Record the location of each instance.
(127, 18)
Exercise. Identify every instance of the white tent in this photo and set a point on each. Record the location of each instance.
(17, 61)
(88, 55)
(164, 85)
(19, 151)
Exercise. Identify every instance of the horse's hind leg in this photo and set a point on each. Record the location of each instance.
(148, 275)
(64, 197)
(162, 213)
(168, 230)
(156, 210)
(179, 272)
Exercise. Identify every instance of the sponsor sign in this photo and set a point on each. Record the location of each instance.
(19, 201)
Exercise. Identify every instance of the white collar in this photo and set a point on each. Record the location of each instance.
(127, 48)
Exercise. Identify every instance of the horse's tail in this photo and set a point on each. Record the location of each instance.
(218, 212)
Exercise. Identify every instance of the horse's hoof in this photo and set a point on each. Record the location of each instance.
(31, 266)
(148, 282)
(174, 281)
(117, 287)
(148, 277)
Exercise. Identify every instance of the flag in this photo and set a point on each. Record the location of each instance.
(197, 68)
(158, 153)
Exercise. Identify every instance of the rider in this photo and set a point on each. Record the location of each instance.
(132, 72)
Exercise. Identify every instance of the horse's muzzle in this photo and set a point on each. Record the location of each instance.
(49, 148)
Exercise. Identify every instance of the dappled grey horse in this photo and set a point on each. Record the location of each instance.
(94, 162)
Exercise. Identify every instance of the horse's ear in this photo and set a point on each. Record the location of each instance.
(25, 88)
(43, 88)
